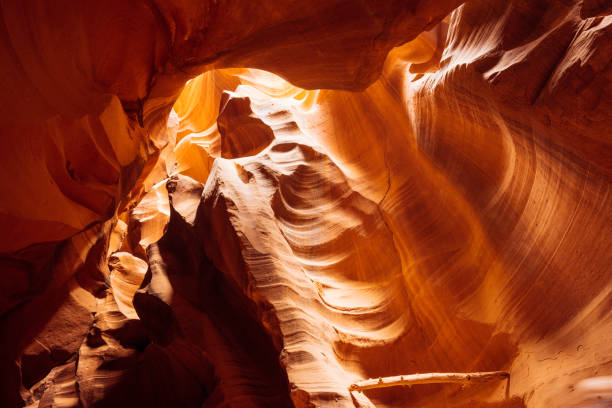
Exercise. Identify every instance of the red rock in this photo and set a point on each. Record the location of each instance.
(242, 132)
(428, 193)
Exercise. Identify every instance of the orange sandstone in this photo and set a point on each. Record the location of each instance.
(258, 204)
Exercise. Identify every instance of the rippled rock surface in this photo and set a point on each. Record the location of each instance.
(257, 204)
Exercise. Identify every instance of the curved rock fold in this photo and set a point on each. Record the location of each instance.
(259, 204)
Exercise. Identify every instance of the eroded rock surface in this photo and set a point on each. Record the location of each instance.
(430, 192)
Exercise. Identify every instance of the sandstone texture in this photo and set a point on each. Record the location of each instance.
(257, 204)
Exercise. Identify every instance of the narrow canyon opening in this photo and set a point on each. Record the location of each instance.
(306, 204)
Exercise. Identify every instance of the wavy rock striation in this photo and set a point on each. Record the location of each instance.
(349, 190)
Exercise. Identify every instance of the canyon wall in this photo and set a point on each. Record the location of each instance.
(234, 204)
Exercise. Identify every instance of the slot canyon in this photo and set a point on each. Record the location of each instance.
(235, 204)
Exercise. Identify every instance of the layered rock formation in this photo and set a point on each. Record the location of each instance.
(413, 187)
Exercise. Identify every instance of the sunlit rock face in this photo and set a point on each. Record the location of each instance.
(257, 204)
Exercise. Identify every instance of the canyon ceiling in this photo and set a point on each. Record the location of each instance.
(259, 203)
